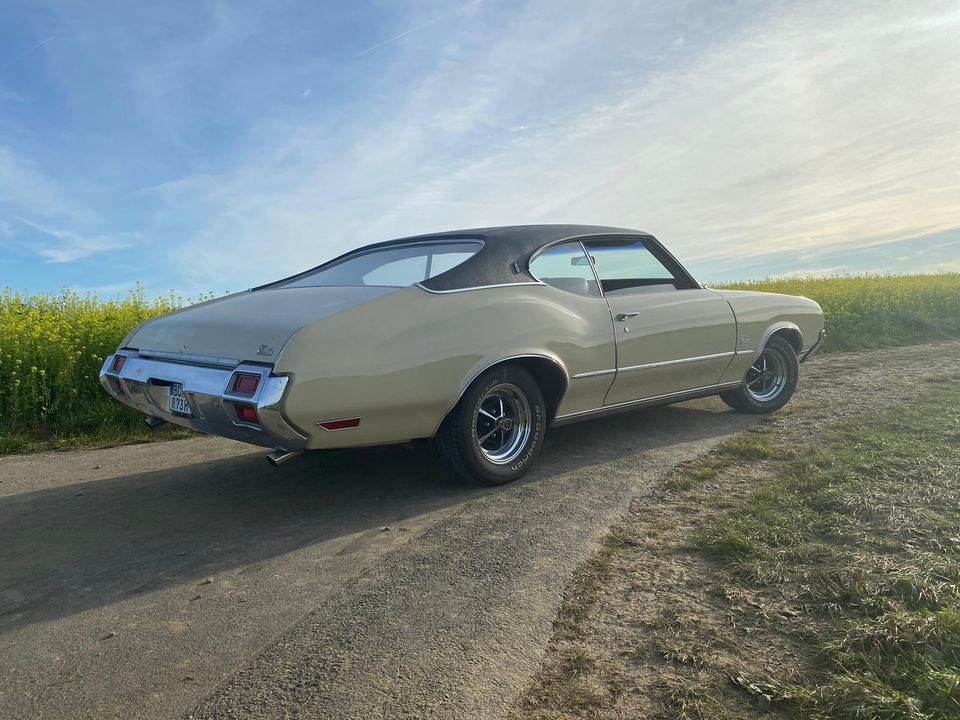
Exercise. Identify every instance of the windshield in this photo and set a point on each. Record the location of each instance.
(391, 267)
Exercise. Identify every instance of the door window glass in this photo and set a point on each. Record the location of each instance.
(627, 266)
(566, 267)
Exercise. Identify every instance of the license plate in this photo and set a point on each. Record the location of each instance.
(178, 401)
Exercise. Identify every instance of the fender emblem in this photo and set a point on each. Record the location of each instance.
(744, 340)
(264, 350)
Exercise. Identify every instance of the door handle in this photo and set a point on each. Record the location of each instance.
(626, 316)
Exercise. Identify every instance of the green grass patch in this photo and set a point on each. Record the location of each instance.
(861, 535)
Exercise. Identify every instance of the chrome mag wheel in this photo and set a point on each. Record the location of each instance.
(767, 377)
(502, 423)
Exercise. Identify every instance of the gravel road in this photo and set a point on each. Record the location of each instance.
(189, 578)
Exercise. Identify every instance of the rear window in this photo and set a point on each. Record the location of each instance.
(391, 267)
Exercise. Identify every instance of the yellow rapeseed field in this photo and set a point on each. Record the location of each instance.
(51, 350)
(52, 346)
(871, 311)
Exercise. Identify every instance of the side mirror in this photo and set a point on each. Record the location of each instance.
(581, 261)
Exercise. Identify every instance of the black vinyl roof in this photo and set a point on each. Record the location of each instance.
(502, 247)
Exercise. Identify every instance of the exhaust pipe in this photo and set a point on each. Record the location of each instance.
(154, 422)
(280, 455)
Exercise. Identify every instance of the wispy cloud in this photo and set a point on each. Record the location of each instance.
(71, 246)
(814, 125)
(244, 143)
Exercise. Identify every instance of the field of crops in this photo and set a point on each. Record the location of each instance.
(878, 311)
(51, 350)
(52, 346)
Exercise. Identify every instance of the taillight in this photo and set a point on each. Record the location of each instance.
(245, 383)
(117, 387)
(340, 424)
(118, 361)
(246, 413)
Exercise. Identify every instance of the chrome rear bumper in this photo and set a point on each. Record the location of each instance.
(143, 383)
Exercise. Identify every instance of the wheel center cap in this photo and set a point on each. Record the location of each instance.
(505, 423)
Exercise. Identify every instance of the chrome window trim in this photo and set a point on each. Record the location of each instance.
(361, 251)
(475, 287)
(583, 248)
(691, 394)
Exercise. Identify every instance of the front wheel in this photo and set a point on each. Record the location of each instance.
(496, 430)
(770, 381)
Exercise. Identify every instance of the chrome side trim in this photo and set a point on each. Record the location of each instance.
(746, 352)
(594, 373)
(821, 338)
(477, 287)
(681, 361)
(699, 392)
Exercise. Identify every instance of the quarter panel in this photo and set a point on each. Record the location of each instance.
(401, 362)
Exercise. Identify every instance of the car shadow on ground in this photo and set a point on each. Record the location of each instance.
(90, 544)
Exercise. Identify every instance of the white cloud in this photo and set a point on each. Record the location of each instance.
(71, 246)
(819, 125)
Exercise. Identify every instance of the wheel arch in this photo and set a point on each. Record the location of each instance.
(548, 371)
(788, 331)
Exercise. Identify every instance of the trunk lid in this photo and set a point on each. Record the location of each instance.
(247, 326)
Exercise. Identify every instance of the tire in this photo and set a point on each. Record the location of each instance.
(511, 437)
(770, 381)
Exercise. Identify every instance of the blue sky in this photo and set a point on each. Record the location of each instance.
(210, 146)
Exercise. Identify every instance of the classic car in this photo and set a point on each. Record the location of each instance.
(476, 340)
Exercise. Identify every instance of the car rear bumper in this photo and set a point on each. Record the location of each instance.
(144, 383)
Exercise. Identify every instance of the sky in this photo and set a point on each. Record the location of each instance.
(210, 146)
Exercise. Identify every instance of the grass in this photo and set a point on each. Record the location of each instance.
(797, 571)
(864, 535)
(52, 346)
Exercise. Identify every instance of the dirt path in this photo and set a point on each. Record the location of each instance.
(191, 578)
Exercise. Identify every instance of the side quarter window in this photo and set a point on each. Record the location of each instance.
(565, 267)
(627, 266)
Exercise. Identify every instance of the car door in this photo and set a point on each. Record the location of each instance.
(671, 334)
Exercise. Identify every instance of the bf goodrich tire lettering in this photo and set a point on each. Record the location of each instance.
(770, 381)
(496, 431)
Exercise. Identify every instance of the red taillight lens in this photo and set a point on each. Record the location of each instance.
(245, 383)
(247, 413)
(118, 361)
(117, 387)
(340, 424)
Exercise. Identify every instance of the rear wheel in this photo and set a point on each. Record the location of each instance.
(769, 382)
(496, 430)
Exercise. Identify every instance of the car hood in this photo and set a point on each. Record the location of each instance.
(248, 326)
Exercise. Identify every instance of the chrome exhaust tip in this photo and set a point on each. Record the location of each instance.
(154, 422)
(280, 455)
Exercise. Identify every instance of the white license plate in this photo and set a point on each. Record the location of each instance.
(178, 401)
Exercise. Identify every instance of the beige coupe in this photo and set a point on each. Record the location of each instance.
(477, 340)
